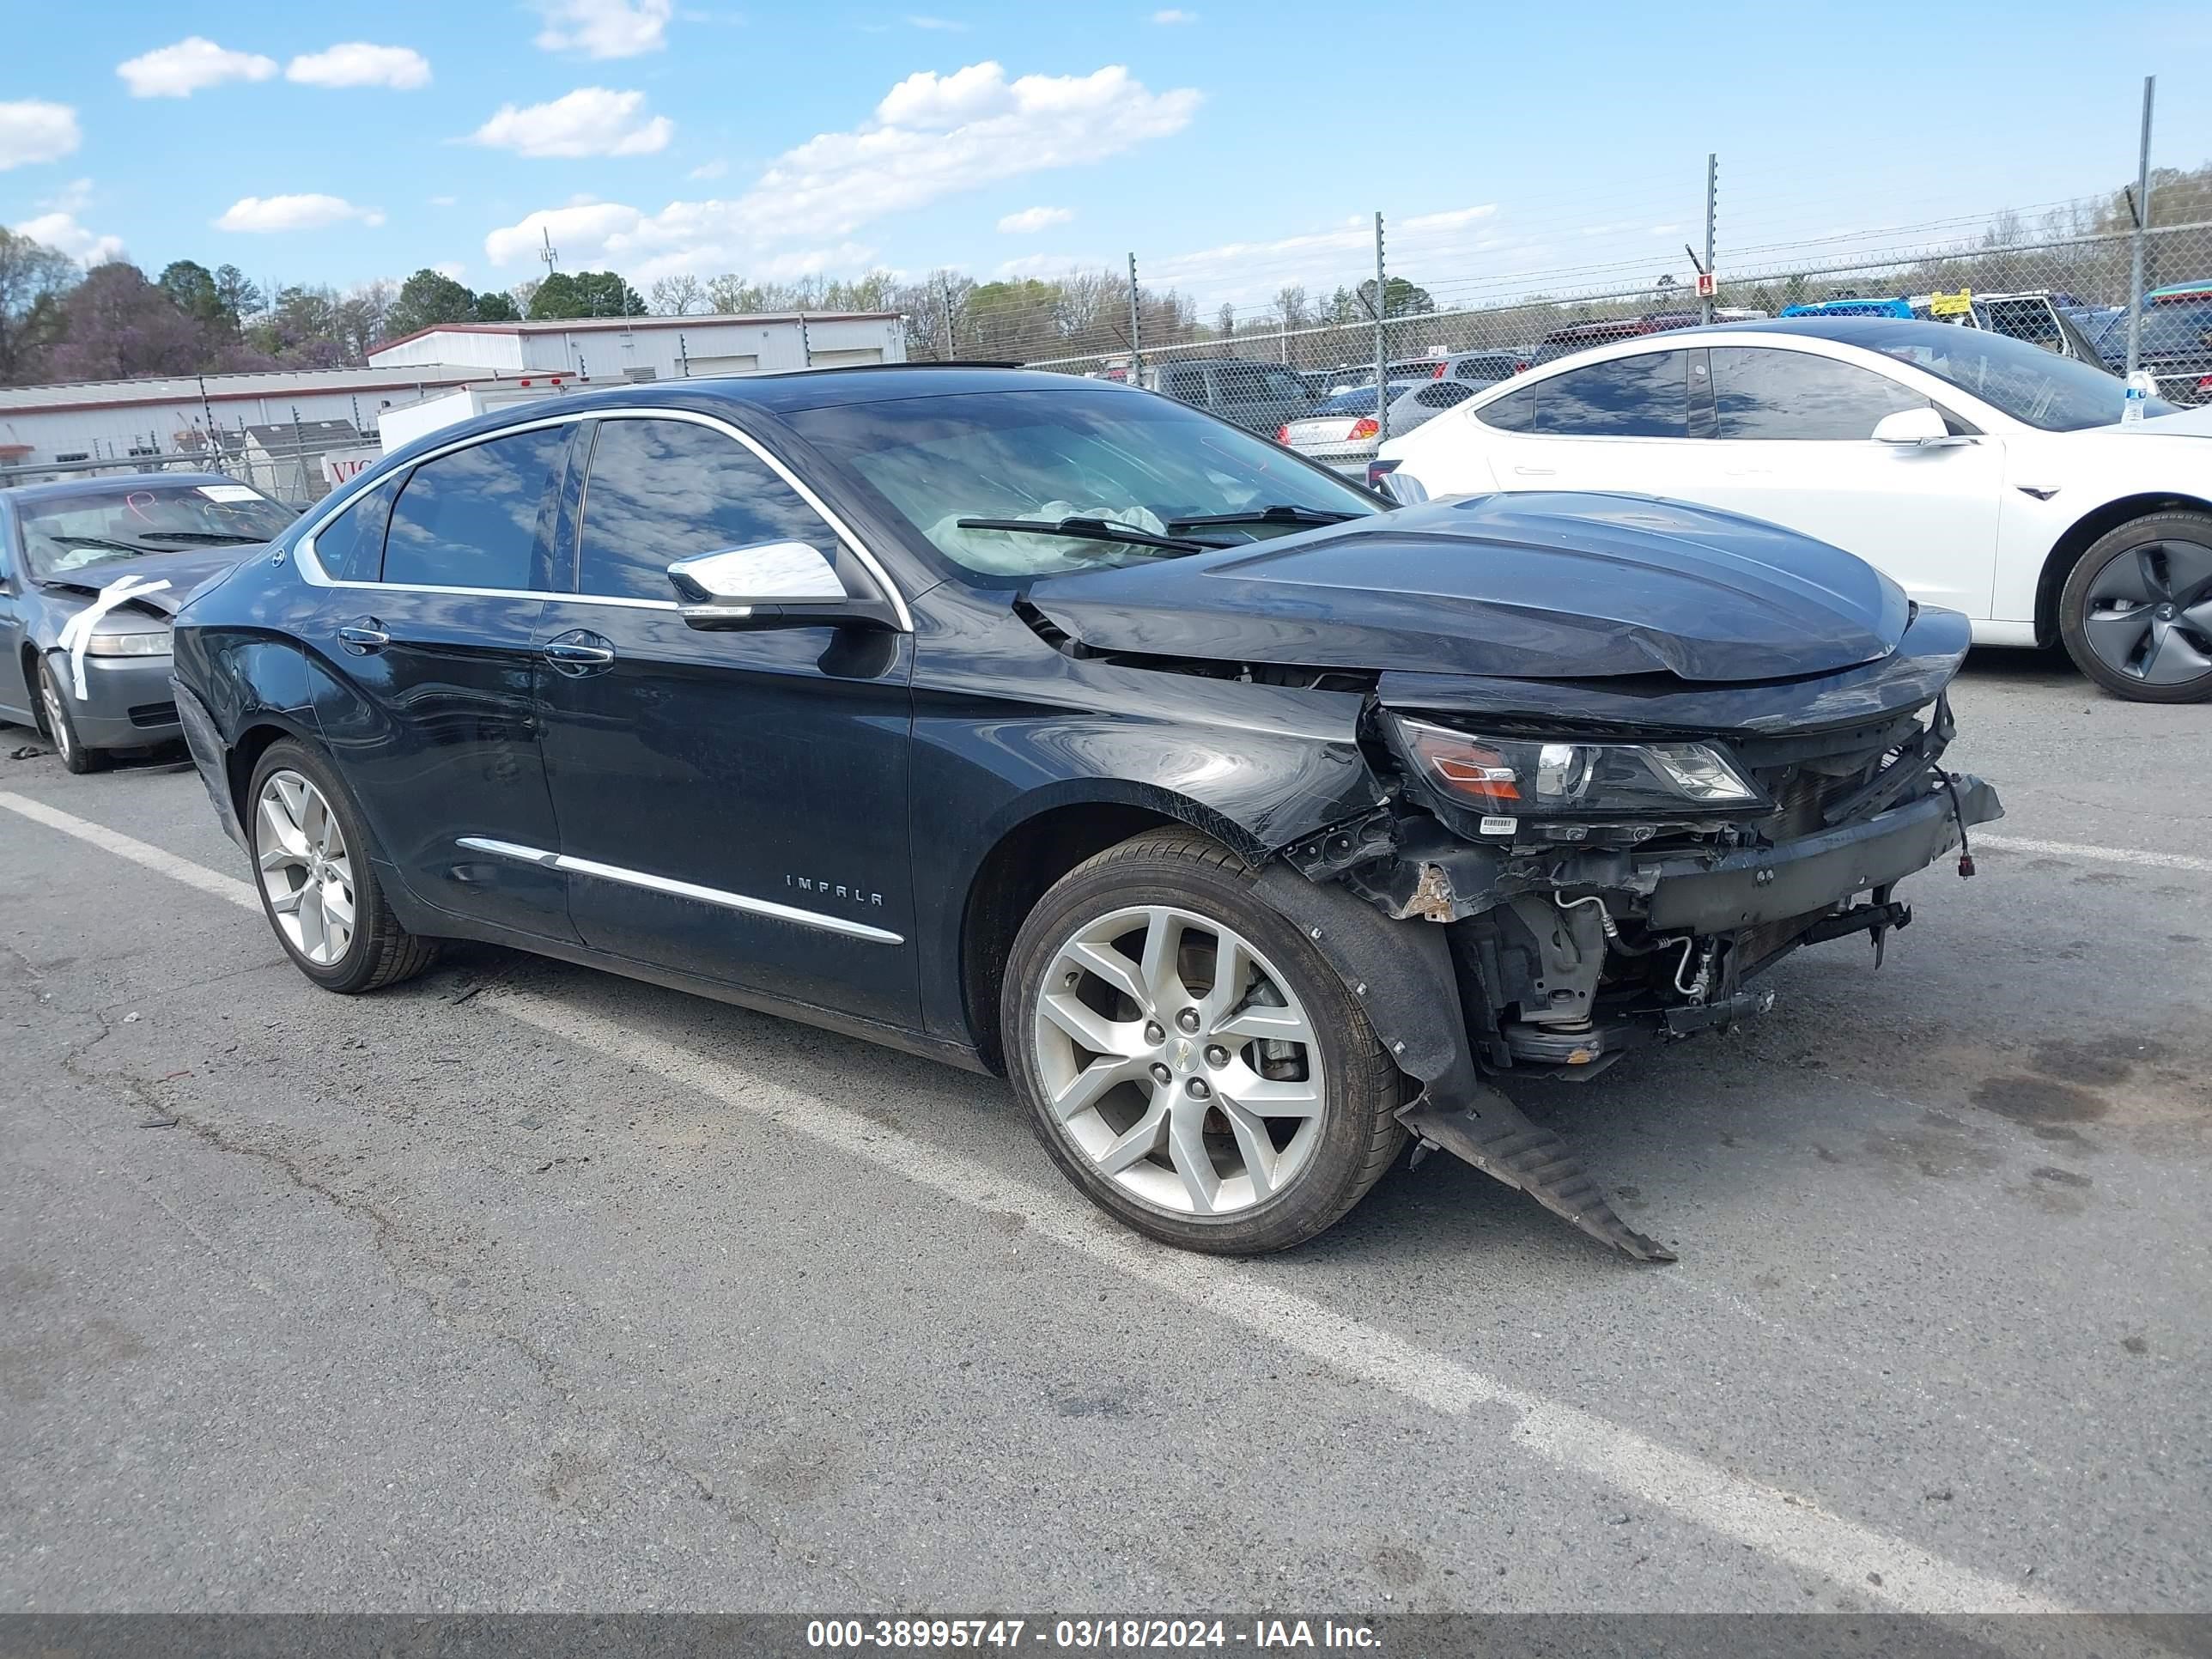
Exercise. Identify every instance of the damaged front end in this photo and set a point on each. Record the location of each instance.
(1612, 866)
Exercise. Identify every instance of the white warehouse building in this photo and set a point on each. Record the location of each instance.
(655, 348)
(239, 422)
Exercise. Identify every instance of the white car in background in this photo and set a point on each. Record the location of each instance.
(1342, 433)
(1983, 474)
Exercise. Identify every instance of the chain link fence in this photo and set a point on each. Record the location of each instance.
(2060, 273)
(297, 472)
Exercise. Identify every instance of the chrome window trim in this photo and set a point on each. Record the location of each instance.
(310, 567)
(729, 901)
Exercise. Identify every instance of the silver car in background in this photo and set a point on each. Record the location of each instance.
(91, 571)
(1344, 432)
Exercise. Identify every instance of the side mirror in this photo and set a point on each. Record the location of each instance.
(1918, 426)
(1402, 487)
(773, 585)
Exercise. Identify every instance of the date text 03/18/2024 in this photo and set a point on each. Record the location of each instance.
(1107, 1634)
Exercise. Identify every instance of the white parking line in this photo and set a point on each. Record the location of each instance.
(238, 892)
(1783, 1525)
(2070, 849)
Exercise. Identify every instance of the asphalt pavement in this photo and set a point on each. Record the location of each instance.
(525, 1287)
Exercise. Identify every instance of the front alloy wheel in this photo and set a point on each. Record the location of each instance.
(2137, 612)
(1176, 1061)
(1189, 1059)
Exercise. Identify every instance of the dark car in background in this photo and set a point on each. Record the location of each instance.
(1039, 724)
(2175, 345)
(103, 684)
(1258, 397)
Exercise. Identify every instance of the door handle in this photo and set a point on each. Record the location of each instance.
(577, 653)
(1536, 471)
(362, 637)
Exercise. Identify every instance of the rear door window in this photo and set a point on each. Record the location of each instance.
(480, 517)
(1444, 394)
(1239, 383)
(350, 547)
(1760, 391)
(1641, 397)
(660, 490)
(1514, 412)
(1185, 383)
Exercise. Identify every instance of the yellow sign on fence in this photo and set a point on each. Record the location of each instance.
(1951, 304)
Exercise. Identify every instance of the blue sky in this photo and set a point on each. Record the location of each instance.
(1234, 147)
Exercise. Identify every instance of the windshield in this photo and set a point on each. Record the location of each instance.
(2058, 394)
(63, 535)
(1089, 453)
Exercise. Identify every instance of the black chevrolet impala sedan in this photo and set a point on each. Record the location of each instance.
(1253, 826)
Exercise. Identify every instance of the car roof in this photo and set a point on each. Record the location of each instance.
(64, 489)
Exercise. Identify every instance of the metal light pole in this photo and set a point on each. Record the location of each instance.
(1136, 330)
(1712, 188)
(2143, 229)
(945, 287)
(1381, 352)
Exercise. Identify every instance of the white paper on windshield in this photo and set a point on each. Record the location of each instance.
(229, 492)
(76, 632)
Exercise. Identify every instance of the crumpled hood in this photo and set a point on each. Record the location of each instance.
(184, 571)
(1537, 584)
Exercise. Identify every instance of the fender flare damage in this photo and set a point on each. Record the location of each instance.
(1400, 973)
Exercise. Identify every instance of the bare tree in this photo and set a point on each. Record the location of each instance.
(678, 296)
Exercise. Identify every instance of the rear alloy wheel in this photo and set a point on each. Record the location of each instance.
(1190, 1061)
(311, 861)
(2137, 612)
(54, 718)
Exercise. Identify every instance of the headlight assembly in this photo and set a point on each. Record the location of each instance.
(1515, 778)
(152, 643)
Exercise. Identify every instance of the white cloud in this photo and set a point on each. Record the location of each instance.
(1663, 230)
(708, 170)
(1171, 15)
(443, 201)
(357, 63)
(1031, 219)
(310, 212)
(450, 268)
(1452, 219)
(35, 130)
(606, 28)
(1041, 264)
(62, 232)
(932, 136)
(191, 65)
(589, 121)
(72, 198)
(950, 26)
(582, 230)
(1250, 273)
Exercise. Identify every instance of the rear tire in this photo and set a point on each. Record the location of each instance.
(314, 870)
(2136, 614)
(60, 727)
(1178, 1113)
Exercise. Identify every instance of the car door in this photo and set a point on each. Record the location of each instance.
(17, 694)
(1794, 444)
(1635, 424)
(428, 629)
(1244, 394)
(732, 803)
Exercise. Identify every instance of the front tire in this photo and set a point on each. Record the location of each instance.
(60, 728)
(317, 885)
(2136, 613)
(1191, 1062)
